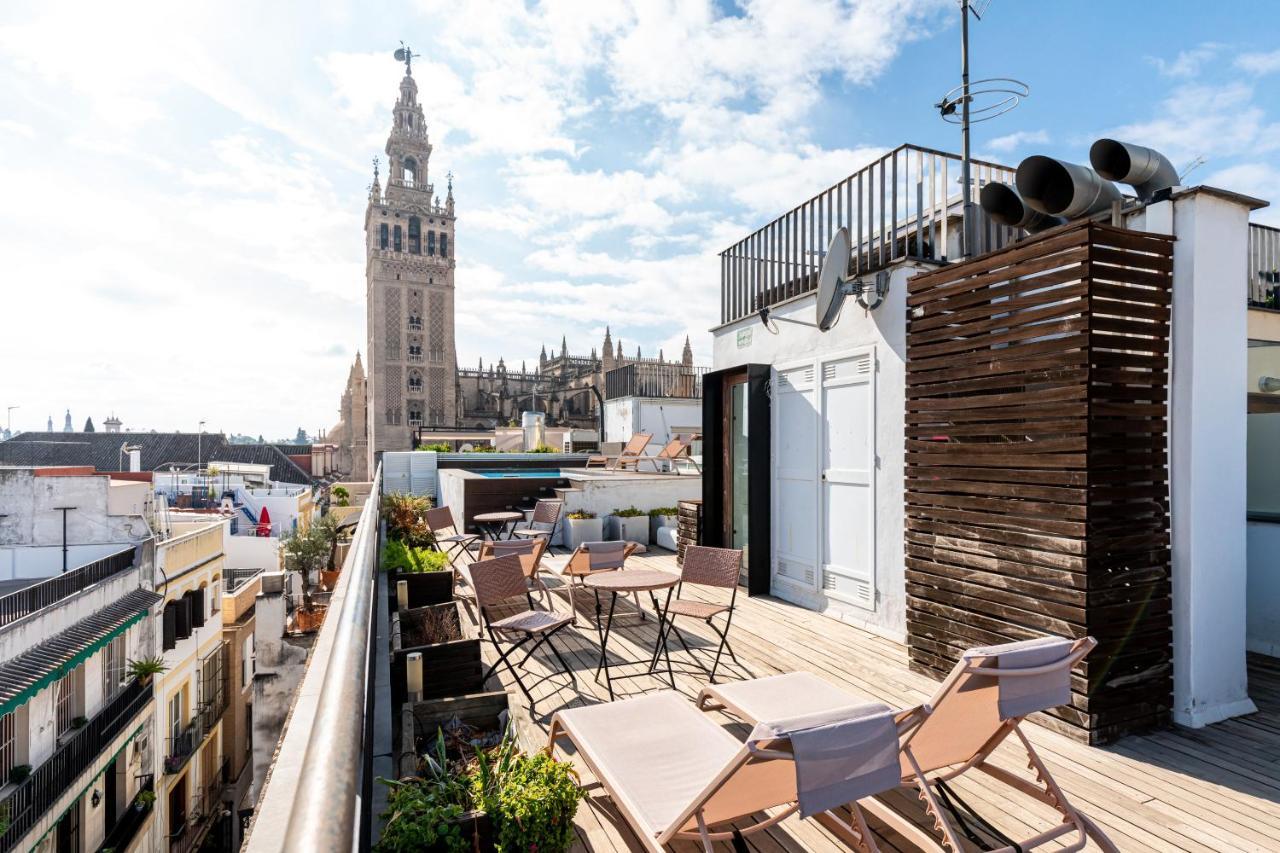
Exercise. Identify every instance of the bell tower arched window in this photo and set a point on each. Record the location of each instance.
(383, 235)
(396, 240)
(415, 380)
(415, 235)
(431, 243)
(444, 245)
(410, 171)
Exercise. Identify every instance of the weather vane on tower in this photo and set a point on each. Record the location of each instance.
(406, 55)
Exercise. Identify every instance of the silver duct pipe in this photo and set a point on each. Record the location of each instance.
(1145, 169)
(1064, 189)
(1003, 204)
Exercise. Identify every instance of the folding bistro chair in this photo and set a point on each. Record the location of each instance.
(498, 584)
(590, 557)
(675, 775)
(629, 455)
(448, 540)
(530, 552)
(710, 567)
(975, 709)
(545, 521)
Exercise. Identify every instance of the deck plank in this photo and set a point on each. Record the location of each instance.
(1214, 789)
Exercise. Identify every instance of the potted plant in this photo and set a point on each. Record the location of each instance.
(425, 571)
(145, 800)
(403, 514)
(144, 669)
(451, 663)
(630, 524)
(19, 774)
(582, 525)
(663, 516)
(341, 497)
(437, 447)
(79, 722)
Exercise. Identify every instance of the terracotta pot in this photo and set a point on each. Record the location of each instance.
(328, 579)
(307, 621)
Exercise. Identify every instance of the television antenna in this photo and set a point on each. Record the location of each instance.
(406, 55)
(995, 96)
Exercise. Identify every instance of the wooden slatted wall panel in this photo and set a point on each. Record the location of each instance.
(1037, 484)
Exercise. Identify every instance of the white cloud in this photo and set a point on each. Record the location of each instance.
(1018, 140)
(1204, 120)
(1259, 63)
(1187, 63)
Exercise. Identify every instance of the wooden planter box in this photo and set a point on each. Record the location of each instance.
(450, 667)
(425, 588)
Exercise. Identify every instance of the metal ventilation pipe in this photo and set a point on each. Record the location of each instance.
(1003, 204)
(1145, 169)
(1063, 189)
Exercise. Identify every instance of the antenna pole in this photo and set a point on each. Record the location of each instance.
(966, 242)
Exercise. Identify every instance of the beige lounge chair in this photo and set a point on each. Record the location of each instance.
(632, 452)
(591, 557)
(675, 775)
(669, 457)
(979, 705)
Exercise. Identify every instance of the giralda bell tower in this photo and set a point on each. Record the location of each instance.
(409, 279)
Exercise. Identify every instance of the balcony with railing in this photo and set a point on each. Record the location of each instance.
(905, 205)
(31, 800)
(654, 379)
(1264, 266)
(32, 599)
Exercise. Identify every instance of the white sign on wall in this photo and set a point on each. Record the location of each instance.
(744, 338)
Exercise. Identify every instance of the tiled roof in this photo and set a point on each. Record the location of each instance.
(159, 451)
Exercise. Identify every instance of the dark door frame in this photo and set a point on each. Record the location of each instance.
(715, 504)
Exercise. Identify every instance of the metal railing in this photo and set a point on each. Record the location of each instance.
(130, 820)
(32, 798)
(317, 804)
(899, 206)
(654, 379)
(24, 602)
(1264, 266)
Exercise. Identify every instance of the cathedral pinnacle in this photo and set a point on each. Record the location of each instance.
(406, 55)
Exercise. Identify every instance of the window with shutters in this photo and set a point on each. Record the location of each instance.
(415, 235)
(215, 596)
(68, 699)
(396, 240)
(384, 236)
(113, 667)
(170, 625)
(246, 661)
(431, 242)
(182, 613)
(444, 245)
(8, 744)
(195, 604)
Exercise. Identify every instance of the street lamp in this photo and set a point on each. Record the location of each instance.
(199, 448)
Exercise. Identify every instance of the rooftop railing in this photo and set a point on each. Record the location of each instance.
(24, 602)
(1264, 266)
(899, 206)
(654, 379)
(319, 793)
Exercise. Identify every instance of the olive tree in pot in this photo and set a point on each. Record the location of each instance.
(307, 552)
(580, 526)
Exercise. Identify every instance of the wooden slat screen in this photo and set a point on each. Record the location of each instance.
(1037, 478)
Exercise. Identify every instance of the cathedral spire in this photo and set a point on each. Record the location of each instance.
(564, 347)
(686, 357)
(375, 189)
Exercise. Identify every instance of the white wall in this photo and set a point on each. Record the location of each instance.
(604, 493)
(252, 552)
(46, 561)
(662, 418)
(885, 330)
(1263, 628)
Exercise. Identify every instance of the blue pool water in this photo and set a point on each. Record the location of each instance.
(518, 473)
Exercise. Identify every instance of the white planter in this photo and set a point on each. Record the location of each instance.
(633, 529)
(579, 530)
(657, 521)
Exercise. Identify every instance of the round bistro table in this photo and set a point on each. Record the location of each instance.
(624, 582)
(495, 523)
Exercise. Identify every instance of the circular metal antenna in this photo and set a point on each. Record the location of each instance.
(835, 266)
(988, 98)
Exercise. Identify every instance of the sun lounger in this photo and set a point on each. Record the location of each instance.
(675, 775)
(975, 709)
(670, 455)
(633, 450)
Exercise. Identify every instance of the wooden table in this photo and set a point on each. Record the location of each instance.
(622, 582)
(495, 523)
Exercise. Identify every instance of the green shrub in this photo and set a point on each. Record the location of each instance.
(341, 496)
(404, 516)
(421, 815)
(663, 510)
(413, 559)
(542, 448)
(580, 514)
(629, 512)
(438, 447)
(484, 448)
(531, 800)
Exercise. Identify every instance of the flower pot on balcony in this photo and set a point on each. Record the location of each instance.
(328, 580)
(308, 621)
(451, 664)
(579, 530)
(629, 528)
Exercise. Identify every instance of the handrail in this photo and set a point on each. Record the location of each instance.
(32, 599)
(314, 793)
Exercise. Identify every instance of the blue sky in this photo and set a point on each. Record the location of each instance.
(184, 183)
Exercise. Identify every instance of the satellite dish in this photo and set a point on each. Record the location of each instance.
(835, 266)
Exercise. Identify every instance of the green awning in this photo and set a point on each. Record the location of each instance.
(24, 676)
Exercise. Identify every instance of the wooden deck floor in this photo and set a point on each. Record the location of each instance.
(1209, 789)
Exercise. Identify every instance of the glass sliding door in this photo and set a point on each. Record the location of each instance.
(736, 470)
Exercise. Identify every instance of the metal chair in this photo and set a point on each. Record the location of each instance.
(710, 567)
(545, 513)
(530, 552)
(449, 541)
(496, 583)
